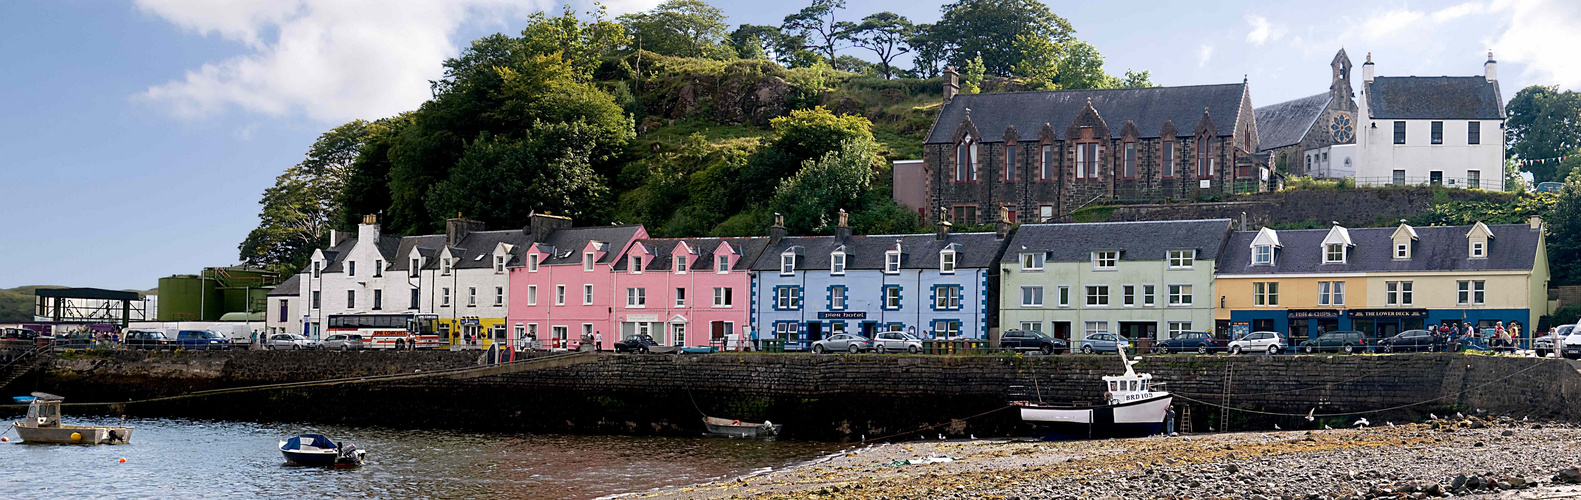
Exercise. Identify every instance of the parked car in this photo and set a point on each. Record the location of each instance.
(146, 339)
(635, 343)
(1269, 342)
(896, 342)
(848, 342)
(1411, 340)
(1104, 342)
(201, 340)
(290, 341)
(1201, 342)
(78, 340)
(1549, 187)
(1570, 347)
(1348, 342)
(342, 341)
(18, 334)
(1030, 340)
(1551, 343)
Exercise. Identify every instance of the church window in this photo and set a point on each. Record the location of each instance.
(1130, 159)
(1168, 155)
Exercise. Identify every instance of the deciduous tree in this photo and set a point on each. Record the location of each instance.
(686, 28)
(887, 34)
(989, 28)
(1543, 123)
(816, 25)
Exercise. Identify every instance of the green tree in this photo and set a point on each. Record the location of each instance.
(887, 35)
(972, 76)
(816, 25)
(581, 44)
(685, 28)
(970, 28)
(304, 202)
(367, 189)
(812, 198)
(500, 181)
(803, 135)
(928, 52)
(1081, 67)
(752, 41)
(1134, 79)
(1543, 123)
(1564, 237)
(1039, 64)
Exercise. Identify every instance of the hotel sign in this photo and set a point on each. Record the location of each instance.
(1312, 314)
(843, 315)
(1388, 313)
(649, 318)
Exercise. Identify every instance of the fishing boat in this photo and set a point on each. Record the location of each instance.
(319, 450)
(737, 428)
(1133, 406)
(43, 425)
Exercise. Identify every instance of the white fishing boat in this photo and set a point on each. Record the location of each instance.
(1133, 406)
(737, 428)
(43, 426)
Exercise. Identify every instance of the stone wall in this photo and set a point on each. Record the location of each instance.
(836, 397)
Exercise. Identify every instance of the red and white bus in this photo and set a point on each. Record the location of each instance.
(389, 331)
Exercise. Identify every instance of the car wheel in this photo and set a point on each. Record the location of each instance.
(913, 349)
(853, 349)
(1308, 349)
(1202, 349)
(1273, 349)
(296, 347)
(1350, 349)
(1006, 347)
(1046, 349)
(1386, 348)
(817, 349)
(1235, 349)
(643, 349)
(345, 347)
(1086, 349)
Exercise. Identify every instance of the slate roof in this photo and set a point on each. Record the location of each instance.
(1136, 241)
(1438, 248)
(1148, 107)
(1286, 123)
(427, 245)
(569, 242)
(1434, 97)
(333, 255)
(749, 248)
(482, 243)
(918, 251)
(291, 286)
(396, 249)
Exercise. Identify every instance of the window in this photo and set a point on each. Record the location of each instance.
(1097, 296)
(892, 297)
(1130, 160)
(1265, 293)
(1399, 177)
(680, 264)
(785, 330)
(837, 298)
(1047, 170)
(318, 268)
(892, 262)
(1182, 259)
(680, 297)
(1178, 327)
(444, 268)
(587, 261)
(532, 295)
(965, 215)
(1479, 249)
(1470, 292)
(971, 166)
(1402, 250)
(1438, 132)
(1031, 296)
(947, 297)
(351, 268)
(1331, 293)
(724, 264)
(1096, 328)
(947, 262)
(1168, 158)
(723, 297)
(1398, 293)
(960, 159)
(1399, 132)
(1333, 252)
(1032, 261)
(1203, 168)
(1010, 162)
(1032, 326)
(351, 299)
(1081, 161)
(1179, 295)
(1064, 296)
(416, 295)
(837, 264)
(1128, 295)
(559, 295)
(1106, 260)
(1045, 213)
(1087, 161)
(1474, 179)
(587, 295)
(472, 296)
(788, 263)
(947, 329)
(414, 268)
(1147, 295)
(634, 264)
(1263, 255)
(378, 269)
(499, 264)
(562, 332)
(636, 297)
(316, 297)
(787, 298)
(444, 299)
(1473, 132)
(532, 263)
(378, 299)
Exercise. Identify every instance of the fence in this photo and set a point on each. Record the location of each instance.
(1455, 182)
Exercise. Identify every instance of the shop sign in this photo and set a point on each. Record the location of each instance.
(843, 315)
(1312, 314)
(1388, 313)
(638, 318)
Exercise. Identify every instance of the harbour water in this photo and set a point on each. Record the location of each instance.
(209, 459)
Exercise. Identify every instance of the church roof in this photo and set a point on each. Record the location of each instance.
(1286, 123)
(1434, 98)
(1147, 107)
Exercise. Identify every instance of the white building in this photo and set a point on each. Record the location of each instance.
(283, 313)
(1446, 130)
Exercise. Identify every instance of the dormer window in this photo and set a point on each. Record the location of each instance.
(1402, 250)
(1334, 253)
(947, 262)
(587, 261)
(1263, 255)
(724, 264)
(837, 263)
(1107, 260)
(1182, 259)
(788, 264)
(532, 263)
(1032, 261)
(635, 263)
(499, 264)
(318, 269)
(680, 264)
(892, 262)
(417, 266)
(1479, 249)
(444, 266)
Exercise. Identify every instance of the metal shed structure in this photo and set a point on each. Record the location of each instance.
(89, 305)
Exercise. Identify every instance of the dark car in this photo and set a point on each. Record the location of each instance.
(146, 339)
(1029, 340)
(1201, 342)
(1348, 342)
(18, 334)
(200, 340)
(635, 343)
(1549, 187)
(1411, 340)
(78, 340)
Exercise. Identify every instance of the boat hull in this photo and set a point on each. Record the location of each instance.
(1138, 418)
(308, 458)
(721, 427)
(62, 435)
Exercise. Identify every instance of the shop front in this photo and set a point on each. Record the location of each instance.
(1380, 323)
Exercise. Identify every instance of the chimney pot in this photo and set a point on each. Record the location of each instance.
(777, 231)
(952, 84)
(842, 230)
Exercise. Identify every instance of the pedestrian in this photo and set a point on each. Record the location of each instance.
(1169, 420)
(598, 341)
(1515, 335)
(1500, 335)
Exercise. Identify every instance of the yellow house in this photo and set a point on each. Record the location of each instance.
(1382, 280)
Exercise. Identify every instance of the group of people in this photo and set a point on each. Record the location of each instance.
(1502, 337)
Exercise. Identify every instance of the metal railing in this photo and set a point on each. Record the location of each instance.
(1455, 182)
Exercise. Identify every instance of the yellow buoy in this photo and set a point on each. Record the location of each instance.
(76, 436)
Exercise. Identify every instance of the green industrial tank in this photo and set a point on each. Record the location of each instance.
(218, 290)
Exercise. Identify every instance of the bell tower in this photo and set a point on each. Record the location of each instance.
(1339, 86)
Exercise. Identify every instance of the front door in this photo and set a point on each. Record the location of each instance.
(716, 330)
(1062, 330)
(868, 329)
(814, 331)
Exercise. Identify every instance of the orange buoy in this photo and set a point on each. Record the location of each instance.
(123, 460)
(5, 440)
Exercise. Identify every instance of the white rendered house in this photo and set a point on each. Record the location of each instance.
(1443, 130)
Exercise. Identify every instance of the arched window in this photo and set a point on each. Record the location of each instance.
(1204, 164)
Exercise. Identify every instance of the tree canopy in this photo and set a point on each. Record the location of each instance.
(686, 28)
(1544, 123)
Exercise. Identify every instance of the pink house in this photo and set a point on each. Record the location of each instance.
(685, 291)
(566, 287)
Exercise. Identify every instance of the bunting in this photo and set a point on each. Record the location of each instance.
(1540, 161)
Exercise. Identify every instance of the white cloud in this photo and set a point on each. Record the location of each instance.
(1541, 35)
(1262, 30)
(326, 59)
(1204, 53)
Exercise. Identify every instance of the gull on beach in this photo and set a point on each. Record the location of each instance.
(941, 437)
(972, 436)
(1432, 416)
(1309, 414)
(1460, 416)
(1391, 424)
(1327, 428)
(1278, 428)
(1361, 422)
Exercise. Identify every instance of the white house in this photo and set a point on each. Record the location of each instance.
(283, 314)
(1446, 130)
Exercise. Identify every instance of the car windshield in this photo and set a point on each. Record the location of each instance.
(1038, 334)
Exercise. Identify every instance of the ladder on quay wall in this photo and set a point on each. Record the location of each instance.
(1224, 410)
(1185, 419)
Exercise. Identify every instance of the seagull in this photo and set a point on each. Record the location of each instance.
(1278, 428)
(972, 436)
(941, 437)
(1327, 428)
(1523, 419)
(1391, 424)
(1309, 414)
(1459, 416)
(1432, 416)
(1361, 422)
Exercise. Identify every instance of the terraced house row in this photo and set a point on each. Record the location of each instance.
(550, 284)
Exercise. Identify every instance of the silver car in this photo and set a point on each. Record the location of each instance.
(842, 342)
(896, 342)
(290, 341)
(1104, 342)
(342, 341)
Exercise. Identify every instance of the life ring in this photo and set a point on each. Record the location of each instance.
(735, 422)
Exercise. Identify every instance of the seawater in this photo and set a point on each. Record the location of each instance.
(194, 459)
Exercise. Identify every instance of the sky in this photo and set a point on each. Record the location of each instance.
(137, 135)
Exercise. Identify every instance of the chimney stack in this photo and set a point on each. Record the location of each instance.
(1366, 69)
(334, 238)
(540, 225)
(369, 229)
(1536, 222)
(1002, 227)
(943, 227)
(1490, 69)
(458, 228)
(952, 83)
(777, 231)
(842, 231)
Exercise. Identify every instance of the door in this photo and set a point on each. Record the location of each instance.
(868, 329)
(815, 332)
(716, 330)
(1062, 330)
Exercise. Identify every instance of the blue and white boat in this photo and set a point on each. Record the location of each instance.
(317, 449)
(1133, 407)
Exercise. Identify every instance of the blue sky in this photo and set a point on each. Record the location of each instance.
(138, 134)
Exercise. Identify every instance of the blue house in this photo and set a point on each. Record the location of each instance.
(938, 285)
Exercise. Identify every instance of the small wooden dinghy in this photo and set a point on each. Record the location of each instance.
(737, 428)
(43, 426)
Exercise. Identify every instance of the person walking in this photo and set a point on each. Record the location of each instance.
(1515, 335)
(598, 341)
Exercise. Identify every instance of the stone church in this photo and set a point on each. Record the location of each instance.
(1037, 156)
(1314, 135)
